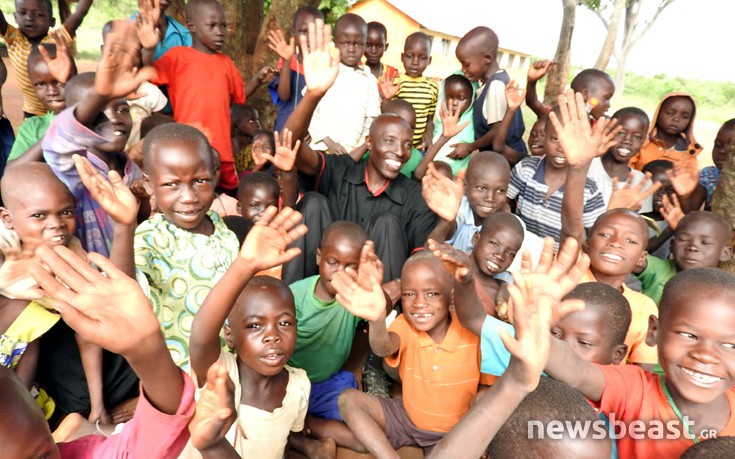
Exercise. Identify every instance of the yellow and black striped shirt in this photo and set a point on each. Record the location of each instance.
(422, 93)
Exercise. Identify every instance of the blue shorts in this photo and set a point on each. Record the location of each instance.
(324, 394)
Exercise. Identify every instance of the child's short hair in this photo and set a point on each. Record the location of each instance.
(420, 36)
(715, 219)
(36, 54)
(351, 19)
(708, 281)
(377, 26)
(634, 111)
(258, 178)
(150, 122)
(192, 7)
(391, 106)
(262, 283)
(19, 177)
(425, 256)
(481, 39)
(500, 218)
(658, 165)
(488, 160)
(76, 88)
(603, 296)
(460, 79)
(344, 228)
(551, 401)
(240, 111)
(589, 78)
(268, 135)
(714, 447)
(307, 9)
(175, 133)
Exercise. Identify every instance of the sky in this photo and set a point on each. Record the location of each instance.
(690, 39)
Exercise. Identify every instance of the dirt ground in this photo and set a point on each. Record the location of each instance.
(12, 98)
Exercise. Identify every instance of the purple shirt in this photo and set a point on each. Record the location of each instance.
(65, 137)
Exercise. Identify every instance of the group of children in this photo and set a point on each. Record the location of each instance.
(388, 219)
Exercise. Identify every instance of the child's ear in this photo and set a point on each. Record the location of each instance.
(641, 263)
(585, 94)
(228, 337)
(652, 330)
(239, 208)
(619, 353)
(586, 245)
(7, 218)
(475, 238)
(147, 185)
(318, 256)
(386, 47)
(429, 62)
(726, 254)
(52, 22)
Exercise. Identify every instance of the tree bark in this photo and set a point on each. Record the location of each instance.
(613, 26)
(557, 77)
(723, 201)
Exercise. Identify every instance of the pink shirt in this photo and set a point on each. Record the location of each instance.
(150, 433)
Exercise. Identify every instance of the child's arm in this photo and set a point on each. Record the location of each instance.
(581, 143)
(91, 355)
(109, 309)
(466, 302)
(450, 128)
(74, 20)
(514, 96)
(214, 415)
(685, 180)
(443, 196)
(363, 297)
(264, 75)
(321, 66)
(535, 73)
(116, 74)
(146, 26)
(264, 248)
(120, 204)
(277, 43)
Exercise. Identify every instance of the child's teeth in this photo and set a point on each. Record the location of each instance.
(612, 257)
(492, 266)
(705, 379)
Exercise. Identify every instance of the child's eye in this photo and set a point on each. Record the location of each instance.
(37, 215)
(584, 343)
(511, 253)
(605, 235)
(253, 326)
(729, 346)
(285, 323)
(331, 262)
(556, 333)
(68, 212)
(687, 335)
(407, 294)
(631, 241)
(638, 137)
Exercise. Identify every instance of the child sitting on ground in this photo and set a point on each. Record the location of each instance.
(181, 252)
(375, 46)
(34, 18)
(418, 90)
(192, 72)
(260, 325)
(436, 358)
(82, 130)
(701, 240)
(287, 88)
(49, 89)
(722, 148)
(477, 51)
(343, 117)
(671, 135)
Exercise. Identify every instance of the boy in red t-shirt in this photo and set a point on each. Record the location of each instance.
(202, 82)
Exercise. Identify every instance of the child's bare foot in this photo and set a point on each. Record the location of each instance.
(76, 426)
(325, 448)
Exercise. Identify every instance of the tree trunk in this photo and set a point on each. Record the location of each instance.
(557, 77)
(247, 42)
(621, 57)
(613, 25)
(723, 201)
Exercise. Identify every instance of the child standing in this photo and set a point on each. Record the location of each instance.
(414, 87)
(271, 397)
(671, 135)
(343, 117)
(477, 52)
(190, 73)
(34, 18)
(377, 45)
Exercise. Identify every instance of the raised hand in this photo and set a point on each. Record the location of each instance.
(450, 120)
(388, 86)
(277, 43)
(515, 94)
(684, 177)
(61, 66)
(114, 197)
(116, 73)
(538, 69)
(215, 412)
(15, 282)
(321, 60)
(106, 307)
(265, 74)
(285, 156)
(455, 261)
(671, 211)
(265, 244)
(632, 196)
(442, 195)
(362, 294)
(580, 142)
(146, 23)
